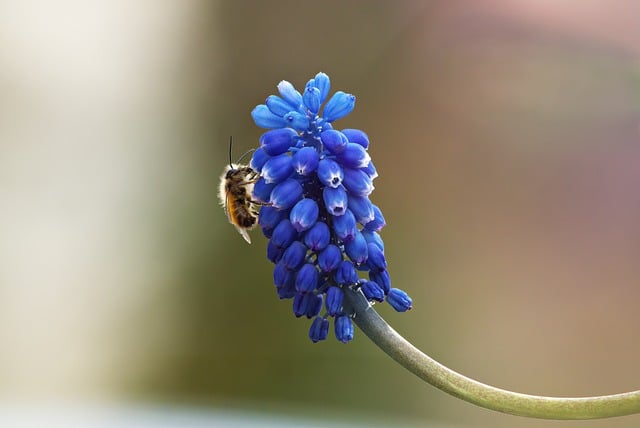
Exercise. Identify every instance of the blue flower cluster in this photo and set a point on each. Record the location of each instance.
(323, 230)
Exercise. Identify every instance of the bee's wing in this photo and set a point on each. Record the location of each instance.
(242, 231)
(226, 206)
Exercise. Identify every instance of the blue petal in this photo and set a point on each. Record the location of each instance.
(362, 208)
(290, 95)
(382, 279)
(340, 105)
(286, 194)
(270, 216)
(284, 234)
(265, 119)
(277, 105)
(357, 182)
(258, 159)
(400, 300)
(330, 173)
(305, 161)
(323, 83)
(370, 170)
(376, 260)
(304, 214)
(335, 200)
(317, 238)
(300, 302)
(277, 169)
(378, 221)
(294, 256)
(314, 306)
(357, 249)
(262, 191)
(334, 141)
(372, 291)
(344, 328)
(335, 297)
(282, 277)
(274, 254)
(319, 329)
(329, 259)
(345, 226)
(297, 121)
(311, 98)
(353, 156)
(277, 141)
(286, 292)
(346, 273)
(307, 278)
(357, 136)
(373, 238)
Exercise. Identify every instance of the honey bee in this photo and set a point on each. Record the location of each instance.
(236, 195)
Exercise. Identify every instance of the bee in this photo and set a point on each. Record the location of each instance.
(236, 195)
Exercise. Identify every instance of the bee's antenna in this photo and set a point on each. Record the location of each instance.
(230, 146)
(245, 153)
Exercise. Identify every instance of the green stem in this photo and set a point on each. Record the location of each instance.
(476, 392)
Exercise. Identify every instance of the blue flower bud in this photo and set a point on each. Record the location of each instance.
(317, 238)
(267, 231)
(277, 169)
(311, 98)
(329, 259)
(277, 141)
(258, 159)
(373, 238)
(378, 221)
(297, 121)
(274, 254)
(300, 303)
(305, 161)
(335, 296)
(372, 291)
(290, 95)
(319, 329)
(265, 119)
(314, 306)
(353, 156)
(283, 234)
(346, 273)
(345, 226)
(307, 278)
(286, 194)
(376, 260)
(382, 279)
(270, 216)
(362, 208)
(357, 136)
(356, 181)
(304, 214)
(330, 173)
(277, 105)
(340, 105)
(335, 200)
(294, 255)
(343, 328)
(400, 300)
(323, 83)
(282, 277)
(333, 141)
(262, 191)
(357, 249)
(370, 170)
(286, 292)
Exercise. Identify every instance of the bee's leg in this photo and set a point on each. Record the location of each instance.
(262, 204)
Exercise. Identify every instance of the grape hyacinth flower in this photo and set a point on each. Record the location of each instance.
(323, 229)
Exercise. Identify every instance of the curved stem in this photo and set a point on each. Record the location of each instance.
(476, 392)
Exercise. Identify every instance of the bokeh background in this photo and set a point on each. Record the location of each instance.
(507, 138)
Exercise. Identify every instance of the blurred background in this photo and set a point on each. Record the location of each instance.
(507, 137)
